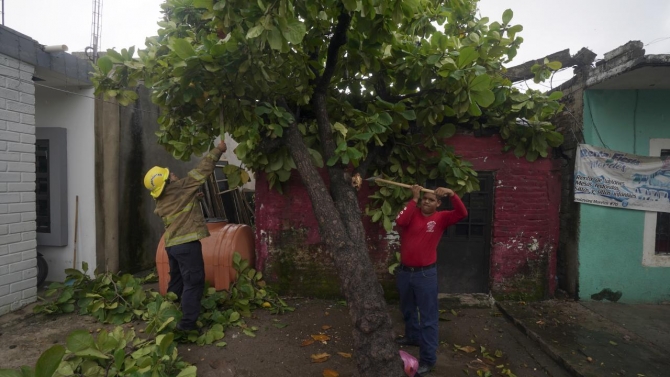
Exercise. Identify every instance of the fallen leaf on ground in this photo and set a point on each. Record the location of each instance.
(325, 327)
(280, 325)
(321, 337)
(320, 357)
(306, 342)
(613, 343)
(330, 373)
(343, 354)
(454, 312)
(478, 365)
(468, 349)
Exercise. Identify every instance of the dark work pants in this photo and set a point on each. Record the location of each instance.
(187, 279)
(419, 307)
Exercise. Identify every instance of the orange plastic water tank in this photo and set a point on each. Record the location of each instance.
(217, 251)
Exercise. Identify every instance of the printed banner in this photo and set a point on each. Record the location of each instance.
(615, 179)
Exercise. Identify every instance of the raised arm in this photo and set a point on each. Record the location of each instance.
(458, 213)
(405, 215)
(199, 174)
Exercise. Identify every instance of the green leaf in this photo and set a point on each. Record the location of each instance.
(384, 119)
(295, 31)
(10, 373)
(447, 131)
(467, 55)
(255, 31)
(555, 96)
(189, 371)
(105, 64)
(409, 114)
(363, 136)
(316, 157)
(79, 340)
(341, 128)
(350, 5)
(532, 156)
(481, 82)
(386, 208)
(49, 361)
(483, 98)
(183, 48)
(205, 4)
(275, 40)
(507, 16)
(554, 66)
(333, 160)
(234, 317)
(91, 352)
(388, 226)
(520, 150)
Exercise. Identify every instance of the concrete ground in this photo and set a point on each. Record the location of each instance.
(598, 338)
(558, 338)
(475, 337)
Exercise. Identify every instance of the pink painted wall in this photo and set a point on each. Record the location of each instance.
(525, 225)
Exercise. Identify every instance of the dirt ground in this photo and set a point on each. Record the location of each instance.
(277, 349)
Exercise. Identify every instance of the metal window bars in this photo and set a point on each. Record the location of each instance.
(219, 202)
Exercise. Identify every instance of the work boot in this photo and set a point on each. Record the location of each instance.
(424, 370)
(183, 328)
(401, 340)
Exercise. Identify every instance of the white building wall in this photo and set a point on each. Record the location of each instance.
(74, 112)
(18, 264)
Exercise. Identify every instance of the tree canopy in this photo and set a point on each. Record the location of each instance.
(400, 77)
(374, 87)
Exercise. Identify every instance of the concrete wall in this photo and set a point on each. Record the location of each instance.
(524, 239)
(75, 114)
(139, 228)
(611, 242)
(17, 185)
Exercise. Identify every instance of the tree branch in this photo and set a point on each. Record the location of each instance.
(338, 40)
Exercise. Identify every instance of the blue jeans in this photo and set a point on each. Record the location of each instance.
(187, 279)
(419, 307)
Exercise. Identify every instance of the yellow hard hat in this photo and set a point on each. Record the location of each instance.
(155, 180)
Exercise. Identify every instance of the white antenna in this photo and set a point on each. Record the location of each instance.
(93, 49)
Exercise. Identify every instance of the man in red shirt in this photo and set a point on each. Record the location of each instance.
(421, 229)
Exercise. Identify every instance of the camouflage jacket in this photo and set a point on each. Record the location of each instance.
(178, 205)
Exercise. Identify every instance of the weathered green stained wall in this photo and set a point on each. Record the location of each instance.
(610, 244)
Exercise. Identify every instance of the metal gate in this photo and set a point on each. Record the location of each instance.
(464, 251)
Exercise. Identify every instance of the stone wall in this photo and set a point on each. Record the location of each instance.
(18, 284)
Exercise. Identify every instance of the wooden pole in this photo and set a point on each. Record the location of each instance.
(76, 223)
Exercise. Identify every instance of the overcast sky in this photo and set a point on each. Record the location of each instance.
(549, 26)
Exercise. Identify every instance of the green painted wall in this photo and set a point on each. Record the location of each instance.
(610, 241)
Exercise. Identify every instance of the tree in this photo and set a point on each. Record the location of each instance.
(350, 86)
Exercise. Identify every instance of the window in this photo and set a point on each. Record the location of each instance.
(656, 244)
(663, 225)
(42, 186)
(51, 186)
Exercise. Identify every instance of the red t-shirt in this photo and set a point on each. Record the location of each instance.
(420, 234)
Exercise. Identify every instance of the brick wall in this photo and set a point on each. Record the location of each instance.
(524, 232)
(525, 217)
(17, 185)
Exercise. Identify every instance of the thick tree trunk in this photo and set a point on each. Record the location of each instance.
(342, 231)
